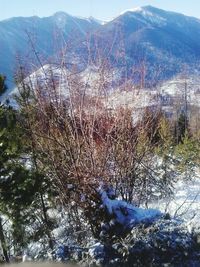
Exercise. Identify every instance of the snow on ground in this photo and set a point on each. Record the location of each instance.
(186, 201)
(138, 99)
(126, 214)
(167, 95)
(180, 86)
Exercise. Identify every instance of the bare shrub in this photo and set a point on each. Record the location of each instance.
(81, 144)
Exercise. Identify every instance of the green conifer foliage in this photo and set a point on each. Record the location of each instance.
(3, 86)
(188, 152)
(19, 184)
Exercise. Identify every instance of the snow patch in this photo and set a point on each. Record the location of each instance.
(136, 9)
(147, 16)
(127, 214)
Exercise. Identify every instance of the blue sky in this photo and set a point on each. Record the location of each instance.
(101, 9)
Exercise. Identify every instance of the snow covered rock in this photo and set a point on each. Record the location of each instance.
(121, 217)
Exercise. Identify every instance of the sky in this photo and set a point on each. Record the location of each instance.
(100, 9)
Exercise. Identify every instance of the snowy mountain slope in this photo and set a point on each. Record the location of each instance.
(44, 77)
(163, 41)
(48, 35)
(145, 41)
(166, 95)
(180, 87)
(53, 76)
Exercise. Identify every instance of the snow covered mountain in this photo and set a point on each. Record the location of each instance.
(18, 37)
(149, 37)
(145, 43)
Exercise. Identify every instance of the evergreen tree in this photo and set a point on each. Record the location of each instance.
(3, 86)
(21, 185)
(188, 153)
(165, 152)
(181, 127)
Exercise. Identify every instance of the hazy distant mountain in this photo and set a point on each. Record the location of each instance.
(158, 39)
(48, 35)
(161, 40)
(145, 41)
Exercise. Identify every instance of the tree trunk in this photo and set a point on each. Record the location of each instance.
(3, 242)
(46, 221)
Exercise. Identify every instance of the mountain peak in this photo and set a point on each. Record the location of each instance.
(141, 9)
(96, 20)
(61, 19)
(146, 14)
(61, 14)
(135, 9)
(149, 7)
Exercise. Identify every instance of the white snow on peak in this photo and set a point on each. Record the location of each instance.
(146, 15)
(101, 22)
(136, 9)
(90, 19)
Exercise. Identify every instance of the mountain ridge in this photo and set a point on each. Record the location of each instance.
(147, 34)
(133, 10)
